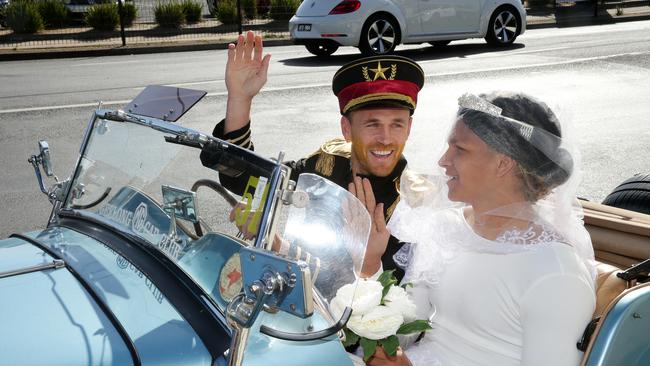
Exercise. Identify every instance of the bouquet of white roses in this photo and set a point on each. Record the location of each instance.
(380, 310)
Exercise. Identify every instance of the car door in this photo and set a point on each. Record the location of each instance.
(441, 17)
(411, 14)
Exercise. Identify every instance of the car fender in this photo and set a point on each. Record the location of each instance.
(48, 310)
(381, 6)
(491, 6)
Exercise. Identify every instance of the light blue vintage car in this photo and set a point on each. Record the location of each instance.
(135, 267)
(142, 261)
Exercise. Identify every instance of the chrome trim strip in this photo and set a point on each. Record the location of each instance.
(55, 264)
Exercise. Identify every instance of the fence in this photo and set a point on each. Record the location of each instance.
(146, 30)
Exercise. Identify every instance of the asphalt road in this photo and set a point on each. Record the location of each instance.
(596, 77)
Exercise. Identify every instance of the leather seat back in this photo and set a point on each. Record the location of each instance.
(608, 286)
(619, 237)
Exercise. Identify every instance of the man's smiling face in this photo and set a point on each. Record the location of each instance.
(378, 137)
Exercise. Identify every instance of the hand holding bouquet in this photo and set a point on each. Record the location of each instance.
(380, 310)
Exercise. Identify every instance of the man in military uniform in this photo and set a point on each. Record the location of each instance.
(377, 96)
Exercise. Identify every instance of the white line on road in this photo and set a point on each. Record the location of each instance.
(64, 106)
(538, 50)
(518, 67)
(111, 63)
(541, 64)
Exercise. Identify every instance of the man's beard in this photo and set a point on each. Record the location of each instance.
(369, 164)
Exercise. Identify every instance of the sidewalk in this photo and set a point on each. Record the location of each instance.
(582, 13)
(151, 40)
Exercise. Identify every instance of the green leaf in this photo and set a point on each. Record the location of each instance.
(387, 278)
(390, 345)
(369, 346)
(414, 327)
(384, 292)
(351, 338)
(406, 285)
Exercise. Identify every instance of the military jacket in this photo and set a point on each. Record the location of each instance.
(332, 161)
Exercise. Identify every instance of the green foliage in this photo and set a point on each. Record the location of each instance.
(390, 345)
(263, 7)
(169, 15)
(283, 9)
(103, 17)
(387, 279)
(53, 12)
(369, 346)
(23, 17)
(249, 7)
(351, 338)
(192, 10)
(227, 11)
(415, 326)
(130, 13)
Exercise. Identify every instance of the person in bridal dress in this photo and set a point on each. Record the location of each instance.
(500, 262)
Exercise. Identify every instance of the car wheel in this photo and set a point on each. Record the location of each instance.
(504, 26)
(439, 43)
(379, 35)
(633, 194)
(321, 49)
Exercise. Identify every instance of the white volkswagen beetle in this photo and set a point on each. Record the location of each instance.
(377, 26)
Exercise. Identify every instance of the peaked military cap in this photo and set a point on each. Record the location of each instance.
(378, 81)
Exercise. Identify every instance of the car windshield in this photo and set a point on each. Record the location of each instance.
(145, 177)
(133, 177)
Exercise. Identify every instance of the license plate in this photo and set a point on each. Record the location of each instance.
(304, 27)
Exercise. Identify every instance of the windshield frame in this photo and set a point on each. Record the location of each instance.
(279, 177)
(272, 205)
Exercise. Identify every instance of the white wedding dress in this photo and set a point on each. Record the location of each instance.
(522, 299)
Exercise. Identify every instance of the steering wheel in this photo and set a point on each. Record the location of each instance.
(217, 187)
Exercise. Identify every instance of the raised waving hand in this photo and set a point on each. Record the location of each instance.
(246, 72)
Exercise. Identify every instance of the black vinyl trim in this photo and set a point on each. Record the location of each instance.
(177, 287)
(107, 311)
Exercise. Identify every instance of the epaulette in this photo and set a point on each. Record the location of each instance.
(327, 155)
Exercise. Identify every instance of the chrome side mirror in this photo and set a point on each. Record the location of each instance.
(44, 149)
(43, 159)
(180, 203)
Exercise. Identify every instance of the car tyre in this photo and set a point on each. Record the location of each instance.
(439, 43)
(379, 35)
(504, 26)
(633, 194)
(321, 49)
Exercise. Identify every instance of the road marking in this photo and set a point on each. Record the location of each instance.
(308, 86)
(538, 50)
(198, 82)
(111, 63)
(541, 64)
(64, 106)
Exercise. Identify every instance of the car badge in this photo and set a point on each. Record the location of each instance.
(230, 278)
(380, 72)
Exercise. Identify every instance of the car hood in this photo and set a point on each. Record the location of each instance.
(48, 310)
(316, 8)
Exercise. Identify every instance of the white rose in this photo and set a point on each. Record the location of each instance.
(398, 299)
(367, 295)
(378, 323)
(337, 305)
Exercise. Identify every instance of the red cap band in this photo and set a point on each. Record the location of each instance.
(365, 92)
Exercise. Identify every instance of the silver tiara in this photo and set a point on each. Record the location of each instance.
(471, 101)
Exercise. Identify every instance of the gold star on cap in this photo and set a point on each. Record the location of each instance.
(379, 71)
